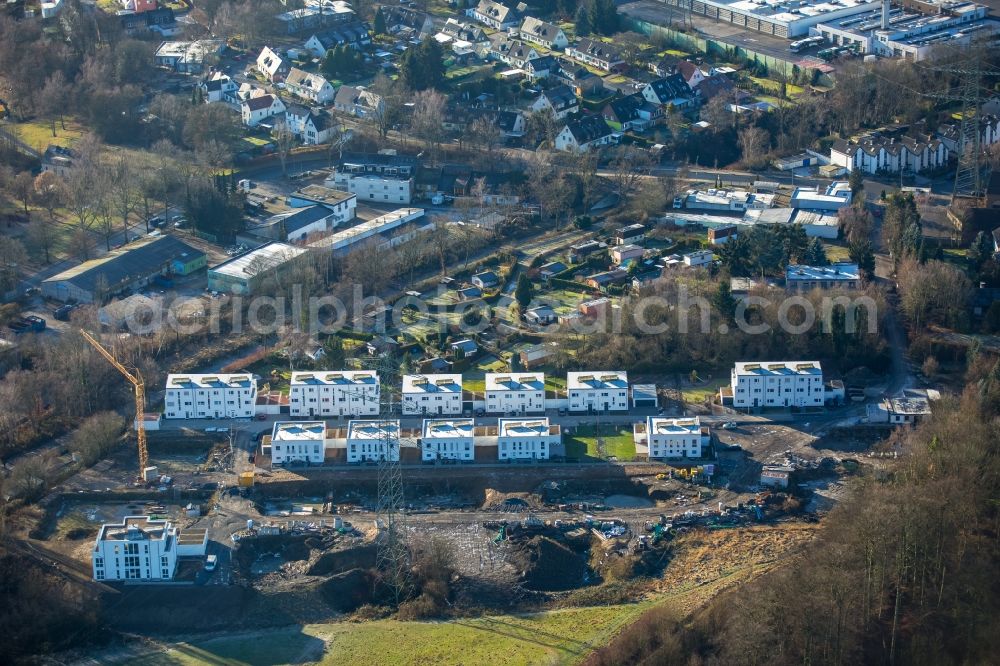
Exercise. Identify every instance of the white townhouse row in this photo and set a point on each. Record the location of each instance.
(140, 548)
(448, 439)
(515, 392)
(665, 438)
(207, 396)
(372, 440)
(526, 439)
(597, 392)
(298, 441)
(357, 393)
(778, 384)
(432, 394)
(343, 393)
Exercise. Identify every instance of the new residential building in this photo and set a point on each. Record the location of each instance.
(210, 396)
(515, 393)
(841, 275)
(432, 394)
(597, 391)
(447, 439)
(372, 440)
(344, 393)
(778, 384)
(526, 439)
(293, 441)
(138, 548)
(670, 438)
(378, 178)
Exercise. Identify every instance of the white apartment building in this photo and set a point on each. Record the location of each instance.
(375, 187)
(138, 548)
(372, 440)
(344, 393)
(671, 438)
(297, 442)
(210, 396)
(597, 391)
(779, 384)
(515, 393)
(526, 439)
(432, 394)
(447, 439)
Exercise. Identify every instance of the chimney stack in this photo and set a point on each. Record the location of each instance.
(885, 14)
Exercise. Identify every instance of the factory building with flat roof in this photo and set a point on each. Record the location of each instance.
(782, 18)
(912, 30)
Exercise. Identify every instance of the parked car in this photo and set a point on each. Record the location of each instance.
(210, 562)
(63, 312)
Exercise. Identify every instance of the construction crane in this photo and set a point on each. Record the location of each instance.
(140, 400)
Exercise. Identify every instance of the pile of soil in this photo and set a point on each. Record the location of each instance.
(347, 591)
(362, 557)
(549, 566)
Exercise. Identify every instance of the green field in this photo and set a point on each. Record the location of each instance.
(836, 251)
(697, 394)
(38, 133)
(618, 443)
(556, 637)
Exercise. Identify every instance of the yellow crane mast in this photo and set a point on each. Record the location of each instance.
(140, 400)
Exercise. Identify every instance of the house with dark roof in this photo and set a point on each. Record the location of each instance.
(561, 100)
(310, 126)
(464, 32)
(539, 32)
(510, 123)
(58, 160)
(513, 52)
(631, 112)
(403, 21)
(297, 224)
(585, 134)
(606, 279)
(358, 101)
(668, 90)
(540, 67)
(257, 109)
(125, 269)
(486, 280)
(218, 87)
(160, 20)
(597, 54)
(354, 34)
(495, 15)
(718, 84)
(583, 82)
(890, 151)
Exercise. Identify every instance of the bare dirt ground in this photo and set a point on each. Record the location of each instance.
(701, 556)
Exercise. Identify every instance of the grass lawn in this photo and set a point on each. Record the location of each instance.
(775, 87)
(697, 394)
(556, 637)
(956, 255)
(38, 133)
(618, 442)
(836, 251)
(563, 301)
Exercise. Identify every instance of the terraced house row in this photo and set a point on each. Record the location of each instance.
(460, 439)
(358, 393)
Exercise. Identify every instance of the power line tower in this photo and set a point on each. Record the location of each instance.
(393, 554)
(972, 174)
